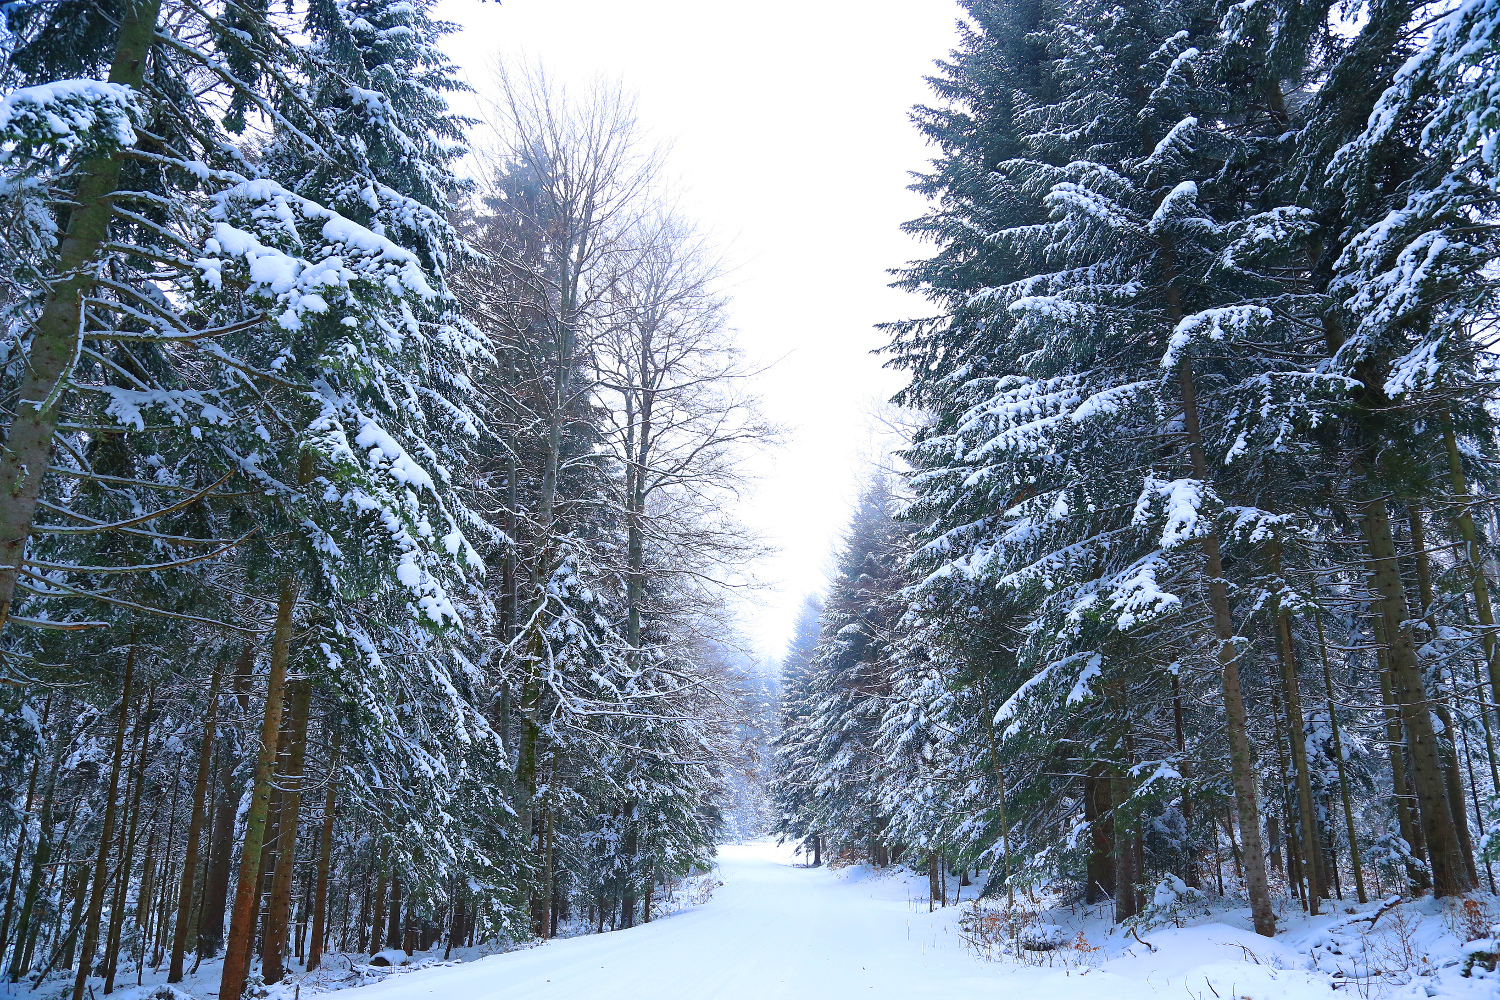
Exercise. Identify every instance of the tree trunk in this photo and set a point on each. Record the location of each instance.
(273, 964)
(1395, 742)
(1338, 756)
(247, 890)
(40, 859)
(106, 836)
(127, 849)
(1125, 876)
(1475, 558)
(1097, 806)
(1452, 777)
(195, 827)
(393, 918)
(1241, 751)
(15, 869)
(325, 852)
(377, 918)
(1189, 862)
(75, 922)
(1449, 875)
(1297, 738)
(144, 898)
(627, 897)
(55, 340)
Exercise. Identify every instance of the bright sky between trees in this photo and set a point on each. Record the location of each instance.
(787, 122)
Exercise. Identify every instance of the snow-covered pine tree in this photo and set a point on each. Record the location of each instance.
(792, 786)
(1163, 235)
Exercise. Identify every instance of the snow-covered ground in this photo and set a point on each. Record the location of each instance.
(777, 931)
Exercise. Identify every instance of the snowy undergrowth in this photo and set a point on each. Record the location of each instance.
(1387, 949)
(339, 971)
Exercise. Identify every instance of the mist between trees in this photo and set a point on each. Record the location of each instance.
(367, 526)
(1187, 590)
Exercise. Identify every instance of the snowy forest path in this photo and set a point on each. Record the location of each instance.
(778, 931)
(774, 931)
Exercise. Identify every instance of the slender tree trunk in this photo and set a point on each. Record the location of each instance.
(1395, 743)
(1475, 557)
(274, 965)
(1125, 873)
(627, 897)
(127, 849)
(1449, 874)
(41, 857)
(247, 891)
(650, 892)
(1097, 808)
(1452, 776)
(1273, 836)
(932, 880)
(1338, 757)
(75, 922)
(325, 852)
(159, 919)
(377, 918)
(1189, 863)
(15, 869)
(144, 900)
(215, 897)
(195, 826)
(268, 846)
(393, 918)
(989, 732)
(106, 835)
(1294, 860)
(549, 876)
(1241, 751)
(1234, 844)
(1298, 741)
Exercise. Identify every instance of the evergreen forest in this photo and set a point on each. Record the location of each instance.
(372, 478)
(1183, 586)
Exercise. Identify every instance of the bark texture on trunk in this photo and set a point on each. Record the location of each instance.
(325, 852)
(1297, 738)
(1449, 874)
(106, 838)
(1097, 808)
(195, 828)
(242, 918)
(55, 340)
(273, 966)
(1241, 751)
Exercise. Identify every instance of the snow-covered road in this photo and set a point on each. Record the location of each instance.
(772, 931)
(779, 932)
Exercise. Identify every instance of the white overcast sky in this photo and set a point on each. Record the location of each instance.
(789, 133)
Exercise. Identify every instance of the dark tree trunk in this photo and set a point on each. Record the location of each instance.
(273, 965)
(1241, 750)
(325, 852)
(247, 890)
(195, 826)
(377, 918)
(1097, 808)
(393, 918)
(40, 859)
(127, 850)
(1449, 874)
(90, 931)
